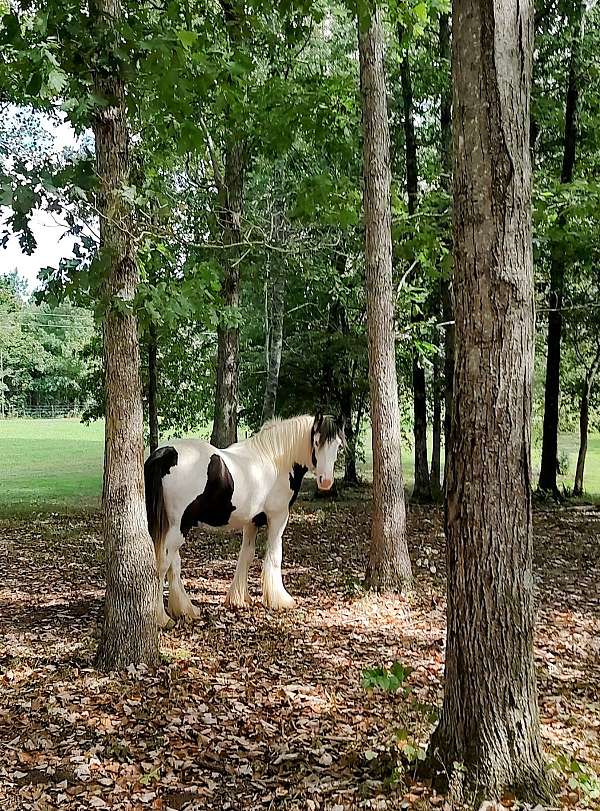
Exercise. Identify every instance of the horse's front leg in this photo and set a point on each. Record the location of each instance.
(274, 593)
(238, 595)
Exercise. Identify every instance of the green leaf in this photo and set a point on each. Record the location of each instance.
(187, 38)
(56, 81)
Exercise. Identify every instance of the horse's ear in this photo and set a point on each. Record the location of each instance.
(318, 422)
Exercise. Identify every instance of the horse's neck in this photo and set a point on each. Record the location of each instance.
(286, 448)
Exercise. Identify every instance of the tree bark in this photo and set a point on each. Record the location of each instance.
(389, 567)
(275, 345)
(422, 486)
(153, 386)
(436, 451)
(446, 178)
(489, 721)
(224, 432)
(130, 632)
(584, 419)
(549, 463)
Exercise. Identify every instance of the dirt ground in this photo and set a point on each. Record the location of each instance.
(255, 709)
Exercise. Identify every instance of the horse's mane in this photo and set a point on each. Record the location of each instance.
(284, 441)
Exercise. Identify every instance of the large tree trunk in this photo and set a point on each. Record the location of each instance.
(130, 631)
(549, 463)
(153, 386)
(422, 486)
(449, 331)
(489, 722)
(276, 307)
(584, 420)
(389, 565)
(446, 164)
(224, 430)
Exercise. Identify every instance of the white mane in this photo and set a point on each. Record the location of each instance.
(284, 442)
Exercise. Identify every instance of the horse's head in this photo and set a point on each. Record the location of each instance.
(327, 437)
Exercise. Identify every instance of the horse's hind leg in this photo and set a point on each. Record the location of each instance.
(180, 604)
(164, 552)
(238, 595)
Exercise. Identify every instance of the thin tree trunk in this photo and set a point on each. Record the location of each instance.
(352, 438)
(584, 419)
(130, 631)
(277, 309)
(446, 164)
(422, 486)
(153, 386)
(389, 565)
(224, 431)
(489, 721)
(436, 452)
(549, 463)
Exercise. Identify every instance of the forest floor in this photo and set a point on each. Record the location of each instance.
(255, 709)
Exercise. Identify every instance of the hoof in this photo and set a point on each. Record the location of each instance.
(189, 614)
(168, 624)
(236, 600)
(281, 602)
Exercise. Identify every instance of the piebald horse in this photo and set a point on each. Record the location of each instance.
(251, 484)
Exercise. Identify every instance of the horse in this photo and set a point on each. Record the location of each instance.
(251, 484)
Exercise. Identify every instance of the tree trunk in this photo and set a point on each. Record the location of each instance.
(276, 313)
(549, 463)
(436, 452)
(449, 332)
(153, 386)
(350, 405)
(584, 419)
(389, 565)
(446, 164)
(224, 432)
(489, 722)
(422, 486)
(130, 632)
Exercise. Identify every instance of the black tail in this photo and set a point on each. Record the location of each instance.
(157, 465)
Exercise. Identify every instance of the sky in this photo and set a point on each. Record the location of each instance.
(48, 231)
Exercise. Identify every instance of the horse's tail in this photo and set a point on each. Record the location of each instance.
(157, 465)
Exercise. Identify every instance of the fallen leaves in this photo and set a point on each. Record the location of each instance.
(258, 709)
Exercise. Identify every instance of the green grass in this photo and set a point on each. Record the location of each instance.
(568, 445)
(56, 465)
(50, 465)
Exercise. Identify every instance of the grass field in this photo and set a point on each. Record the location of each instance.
(56, 465)
(50, 465)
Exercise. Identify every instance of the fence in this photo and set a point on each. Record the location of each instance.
(50, 411)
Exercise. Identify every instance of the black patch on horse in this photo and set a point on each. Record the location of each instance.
(156, 466)
(260, 520)
(296, 476)
(213, 506)
(162, 460)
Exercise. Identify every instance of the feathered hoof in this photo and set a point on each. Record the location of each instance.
(236, 600)
(279, 602)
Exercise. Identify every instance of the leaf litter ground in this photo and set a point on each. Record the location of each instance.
(256, 709)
